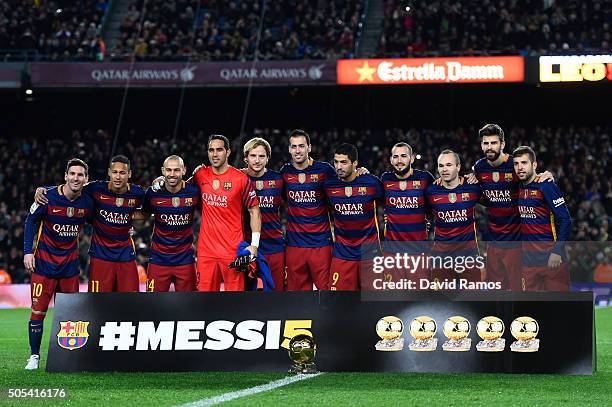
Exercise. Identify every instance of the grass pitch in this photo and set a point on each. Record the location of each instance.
(168, 389)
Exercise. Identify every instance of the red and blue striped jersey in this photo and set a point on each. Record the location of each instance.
(112, 221)
(500, 188)
(354, 208)
(57, 237)
(453, 211)
(269, 190)
(307, 211)
(544, 218)
(405, 208)
(172, 239)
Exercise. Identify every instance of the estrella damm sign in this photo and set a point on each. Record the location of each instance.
(72, 335)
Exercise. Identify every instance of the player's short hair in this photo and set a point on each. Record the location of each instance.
(491, 130)
(226, 143)
(119, 159)
(448, 151)
(525, 150)
(348, 150)
(174, 157)
(257, 142)
(402, 144)
(299, 133)
(77, 162)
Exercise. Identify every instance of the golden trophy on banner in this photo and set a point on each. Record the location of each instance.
(491, 329)
(525, 330)
(423, 329)
(302, 350)
(390, 329)
(457, 330)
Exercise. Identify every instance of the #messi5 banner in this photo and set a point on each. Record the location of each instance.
(498, 332)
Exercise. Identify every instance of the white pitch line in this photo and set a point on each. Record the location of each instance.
(250, 391)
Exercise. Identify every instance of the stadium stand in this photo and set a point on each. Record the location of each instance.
(57, 30)
(227, 30)
(474, 27)
(577, 156)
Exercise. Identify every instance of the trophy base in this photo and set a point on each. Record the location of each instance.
(424, 345)
(308, 368)
(495, 345)
(460, 345)
(390, 345)
(532, 345)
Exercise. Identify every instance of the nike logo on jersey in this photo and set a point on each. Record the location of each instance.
(389, 185)
(437, 199)
(290, 178)
(56, 210)
(104, 197)
(159, 202)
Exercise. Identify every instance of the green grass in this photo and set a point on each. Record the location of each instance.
(166, 389)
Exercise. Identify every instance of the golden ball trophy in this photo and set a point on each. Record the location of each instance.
(491, 329)
(457, 329)
(525, 330)
(423, 329)
(390, 329)
(302, 350)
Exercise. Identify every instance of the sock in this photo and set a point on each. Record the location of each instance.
(35, 330)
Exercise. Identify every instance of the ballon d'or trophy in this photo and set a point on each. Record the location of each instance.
(525, 330)
(491, 329)
(302, 350)
(423, 329)
(457, 329)
(390, 329)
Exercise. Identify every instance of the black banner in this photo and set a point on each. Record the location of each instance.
(250, 331)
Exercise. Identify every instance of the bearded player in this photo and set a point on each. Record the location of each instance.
(54, 260)
(269, 189)
(405, 208)
(226, 194)
(545, 227)
(308, 254)
(500, 184)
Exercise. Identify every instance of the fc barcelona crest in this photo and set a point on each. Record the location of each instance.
(188, 201)
(314, 177)
(259, 185)
(81, 212)
(131, 202)
(302, 177)
(402, 185)
(362, 190)
(176, 201)
(227, 186)
(272, 183)
(465, 196)
(496, 176)
(348, 191)
(508, 177)
(72, 335)
(452, 197)
(216, 184)
(119, 202)
(534, 193)
(70, 211)
(416, 184)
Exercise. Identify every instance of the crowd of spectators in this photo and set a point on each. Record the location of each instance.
(577, 156)
(492, 27)
(227, 30)
(57, 30)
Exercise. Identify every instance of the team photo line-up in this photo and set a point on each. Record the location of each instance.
(331, 214)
